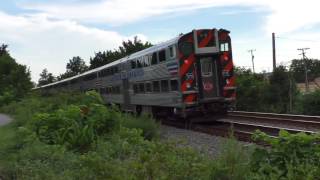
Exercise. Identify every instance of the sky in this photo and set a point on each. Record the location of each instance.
(46, 33)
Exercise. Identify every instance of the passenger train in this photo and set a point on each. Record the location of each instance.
(190, 74)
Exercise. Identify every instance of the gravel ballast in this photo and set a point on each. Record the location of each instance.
(202, 142)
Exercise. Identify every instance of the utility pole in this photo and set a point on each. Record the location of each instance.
(303, 50)
(274, 51)
(252, 59)
(290, 91)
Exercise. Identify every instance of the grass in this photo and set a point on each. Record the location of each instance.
(233, 161)
(147, 124)
(49, 136)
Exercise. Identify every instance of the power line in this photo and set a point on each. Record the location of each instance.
(252, 58)
(294, 39)
(303, 53)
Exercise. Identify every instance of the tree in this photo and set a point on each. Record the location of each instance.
(15, 80)
(127, 48)
(3, 49)
(277, 94)
(77, 65)
(309, 103)
(46, 78)
(250, 90)
(298, 70)
(258, 93)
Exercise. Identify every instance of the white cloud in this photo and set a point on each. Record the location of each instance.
(285, 16)
(42, 43)
(117, 12)
(51, 33)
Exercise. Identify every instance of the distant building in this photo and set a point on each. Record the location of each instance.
(313, 85)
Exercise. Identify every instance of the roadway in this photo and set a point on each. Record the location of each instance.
(4, 119)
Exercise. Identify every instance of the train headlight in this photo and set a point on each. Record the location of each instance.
(225, 57)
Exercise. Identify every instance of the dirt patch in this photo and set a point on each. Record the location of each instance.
(4, 119)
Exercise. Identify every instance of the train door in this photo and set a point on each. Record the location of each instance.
(208, 78)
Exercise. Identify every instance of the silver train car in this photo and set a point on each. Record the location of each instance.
(187, 75)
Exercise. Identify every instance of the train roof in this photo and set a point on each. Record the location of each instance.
(135, 55)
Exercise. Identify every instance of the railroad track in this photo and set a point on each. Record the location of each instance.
(244, 124)
(298, 122)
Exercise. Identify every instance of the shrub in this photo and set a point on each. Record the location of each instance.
(144, 122)
(232, 162)
(309, 103)
(75, 126)
(291, 156)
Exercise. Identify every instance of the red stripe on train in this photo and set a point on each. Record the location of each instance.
(229, 66)
(186, 65)
(190, 98)
(206, 40)
(184, 84)
(231, 82)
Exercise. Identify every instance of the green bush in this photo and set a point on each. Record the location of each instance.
(75, 126)
(291, 156)
(309, 103)
(232, 162)
(76, 137)
(144, 122)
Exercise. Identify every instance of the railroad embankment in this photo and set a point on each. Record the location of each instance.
(74, 136)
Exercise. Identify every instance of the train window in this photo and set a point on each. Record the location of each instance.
(146, 61)
(154, 59)
(172, 52)
(150, 59)
(206, 68)
(133, 64)
(102, 91)
(148, 87)
(162, 55)
(164, 86)
(156, 86)
(135, 88)
(141, 88)
(186, 48)
(174, 85)
(210, 39)
(224, 47)
(73, 81)
(116, 89)
(139, 63)
(89, 77)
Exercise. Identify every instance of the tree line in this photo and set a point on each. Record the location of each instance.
(77, 65)
(15, 79)
(277, 92)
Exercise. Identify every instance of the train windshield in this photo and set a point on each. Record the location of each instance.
(186, 48)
